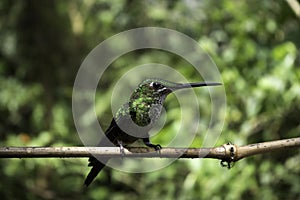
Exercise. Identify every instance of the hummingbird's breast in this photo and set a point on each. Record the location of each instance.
(145, 111)
(135, 120)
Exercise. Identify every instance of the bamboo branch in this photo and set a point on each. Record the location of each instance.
(227, 153)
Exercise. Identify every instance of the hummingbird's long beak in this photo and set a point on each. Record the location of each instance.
(189, 85)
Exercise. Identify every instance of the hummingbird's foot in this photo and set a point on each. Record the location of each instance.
(121, 148)
(147, 142)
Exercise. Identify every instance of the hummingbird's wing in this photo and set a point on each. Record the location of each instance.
(121, 132)
(115, 136)
(96, 165)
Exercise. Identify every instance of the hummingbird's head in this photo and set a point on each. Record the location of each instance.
(158, 89)
(147, 99)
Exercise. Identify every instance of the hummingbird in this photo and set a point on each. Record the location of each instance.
(137, 117)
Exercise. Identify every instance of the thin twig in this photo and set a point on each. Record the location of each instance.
(227, 153)
(113, 152)
(266, 147)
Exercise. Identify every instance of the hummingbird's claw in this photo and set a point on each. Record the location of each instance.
(147, 142)
(157, 147)
(121, 149)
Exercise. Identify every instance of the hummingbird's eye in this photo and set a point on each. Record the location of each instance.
(156, 85)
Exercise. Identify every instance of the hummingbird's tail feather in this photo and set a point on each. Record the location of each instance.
(97, 166)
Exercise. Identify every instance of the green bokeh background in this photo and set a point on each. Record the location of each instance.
(254, 44)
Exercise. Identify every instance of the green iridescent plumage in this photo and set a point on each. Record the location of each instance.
(135, 118)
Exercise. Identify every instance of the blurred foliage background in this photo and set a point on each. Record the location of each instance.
(255, 46)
